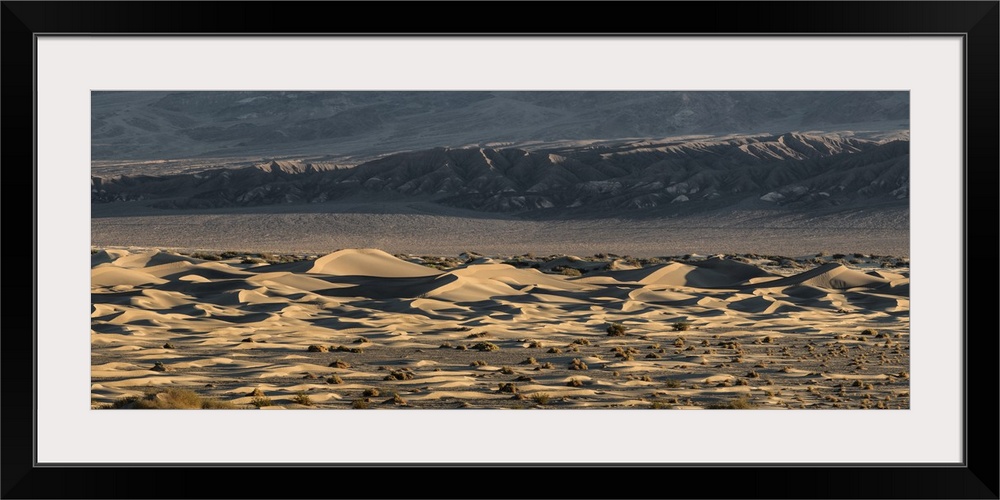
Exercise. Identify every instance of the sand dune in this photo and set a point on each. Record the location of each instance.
(830, 276)
(711, 273)
(363, 328)
(112, 276)
(367, 262)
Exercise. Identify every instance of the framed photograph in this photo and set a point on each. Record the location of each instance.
(423, 251)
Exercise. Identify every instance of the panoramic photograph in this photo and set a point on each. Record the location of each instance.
(543, 250)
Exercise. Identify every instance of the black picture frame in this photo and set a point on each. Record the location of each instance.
(976, 477)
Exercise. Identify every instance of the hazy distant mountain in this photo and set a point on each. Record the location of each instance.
(171, 125)
(783, 172)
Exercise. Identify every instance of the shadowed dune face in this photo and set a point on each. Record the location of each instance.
(363, 328)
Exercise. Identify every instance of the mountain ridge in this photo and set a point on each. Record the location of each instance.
(789, 171)
(365, 124)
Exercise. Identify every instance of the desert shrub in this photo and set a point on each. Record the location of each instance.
(216, 404)
(302, 399)
(530, 361)
(869, 331)
(571, 272)
(660, 405)
(125, 402)
(361, 404)
(168, 345)
(279, 259)
(577, 364)
(681, 326)
(580, 342)
(535, 344)
(339, 364)
(486, 346)
(508, 387)
(741, 403)
(396, 399)
(260, 401)
(206, 256)
(370, 393)
(631, 261)
(541, 398)
(316, 348)
(334, 379)
(506, 370)
(575, 382)
(673, 383)
(170, 399)
(399, 375)
(616, 330)
(478, 362)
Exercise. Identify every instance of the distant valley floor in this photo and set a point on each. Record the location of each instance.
(282, 229)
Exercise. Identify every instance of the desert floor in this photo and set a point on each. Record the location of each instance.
(363, 328)
(429, 229)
